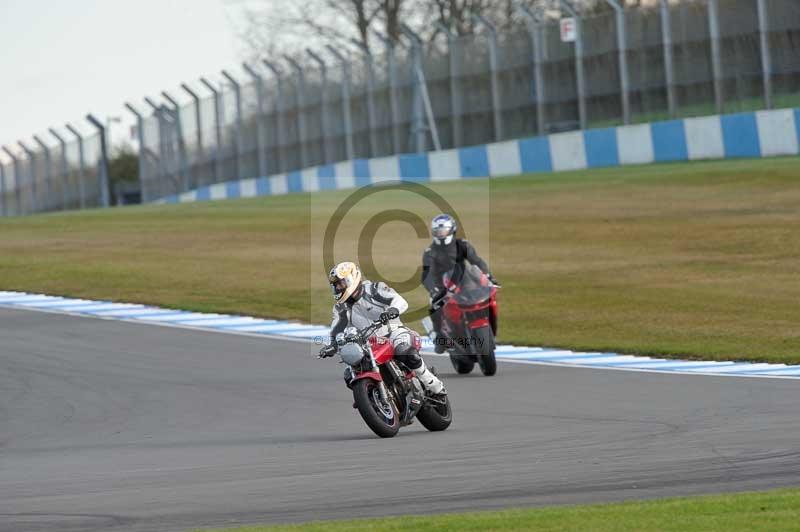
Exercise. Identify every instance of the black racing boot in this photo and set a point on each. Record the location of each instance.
(440, 344)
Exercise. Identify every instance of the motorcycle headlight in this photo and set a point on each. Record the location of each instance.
(351, 334)
(351, 354)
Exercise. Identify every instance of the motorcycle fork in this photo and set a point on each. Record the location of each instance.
(470, 347)
(381, 384)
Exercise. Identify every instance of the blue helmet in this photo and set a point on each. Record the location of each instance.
(443, 229)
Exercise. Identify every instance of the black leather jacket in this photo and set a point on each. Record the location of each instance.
(439, 259)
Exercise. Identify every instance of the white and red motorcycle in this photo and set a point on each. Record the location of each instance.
(386, 393)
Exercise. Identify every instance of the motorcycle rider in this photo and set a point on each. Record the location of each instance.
(360, 302)
(446, 254)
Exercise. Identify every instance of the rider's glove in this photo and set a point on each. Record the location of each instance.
(327, 351)
(437, 299)
(494, 281)
(390, 314)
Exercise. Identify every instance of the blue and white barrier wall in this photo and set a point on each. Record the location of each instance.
(758, 134)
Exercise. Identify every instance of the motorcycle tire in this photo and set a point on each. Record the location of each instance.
(383, 422)
(462, 364)
(486, 359)
(436, 417)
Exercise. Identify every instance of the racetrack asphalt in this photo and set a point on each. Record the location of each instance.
(107, 426)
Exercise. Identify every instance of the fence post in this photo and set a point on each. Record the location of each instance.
(300, 102)
(622, 48)
(669, 66)
(31, 175)
(81, 164)
(237, 94)
(217, 130)
(184, 160)
(497, 110)
(140, 137)
(48, 173)
(261, 130)
(418, 128)
(104, 177)
(5, 185)
(280, 137)
(579, 75)
(163, 170)
(198, 118)
(323, 102)
(16, 177)
(64, 167)
(3, 210)
(766, 58)
(348, 119)
(455, 95)
(17, 180)
(371, 122)
(716, 58)
(534, 29)
(391, 70)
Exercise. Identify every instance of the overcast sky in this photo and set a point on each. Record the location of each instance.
(60, 59)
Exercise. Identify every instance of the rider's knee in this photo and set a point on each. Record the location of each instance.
(408, 355)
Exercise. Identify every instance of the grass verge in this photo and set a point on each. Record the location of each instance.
(771, 510)
(692, 260)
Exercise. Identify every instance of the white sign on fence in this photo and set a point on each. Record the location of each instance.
(568, 30)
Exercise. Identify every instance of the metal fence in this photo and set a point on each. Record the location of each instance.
(695, 57)
(66, 170)
(671, 59)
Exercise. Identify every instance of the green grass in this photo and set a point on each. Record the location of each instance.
(691, 260)
(779, 101)
(772, 510)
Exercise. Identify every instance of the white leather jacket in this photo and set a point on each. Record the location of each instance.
(375, 299)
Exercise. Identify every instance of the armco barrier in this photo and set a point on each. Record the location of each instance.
(759, 134)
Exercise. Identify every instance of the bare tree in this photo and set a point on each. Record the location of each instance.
(286, 26)
(458, 14)
(289, 27)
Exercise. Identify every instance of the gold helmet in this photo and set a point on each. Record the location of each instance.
(345, 279)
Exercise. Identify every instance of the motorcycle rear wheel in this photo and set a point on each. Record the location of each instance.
(382, 419)
(486, 359)
(462, 364)
(435, 417)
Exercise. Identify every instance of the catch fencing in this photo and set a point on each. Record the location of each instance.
(636, 65)
(670, 60)
(741, 135)
(64, 170)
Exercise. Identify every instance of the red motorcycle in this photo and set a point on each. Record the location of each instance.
(386, 393)
(469, 321)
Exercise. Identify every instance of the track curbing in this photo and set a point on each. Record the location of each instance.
(302, 332)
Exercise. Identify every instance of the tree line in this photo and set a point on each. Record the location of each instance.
(277, 28)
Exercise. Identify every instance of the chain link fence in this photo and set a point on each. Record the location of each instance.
(53, 176)
(690, 58)
(664, 60)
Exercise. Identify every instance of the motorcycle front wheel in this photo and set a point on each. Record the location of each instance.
(486, 359)
(382, 418)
